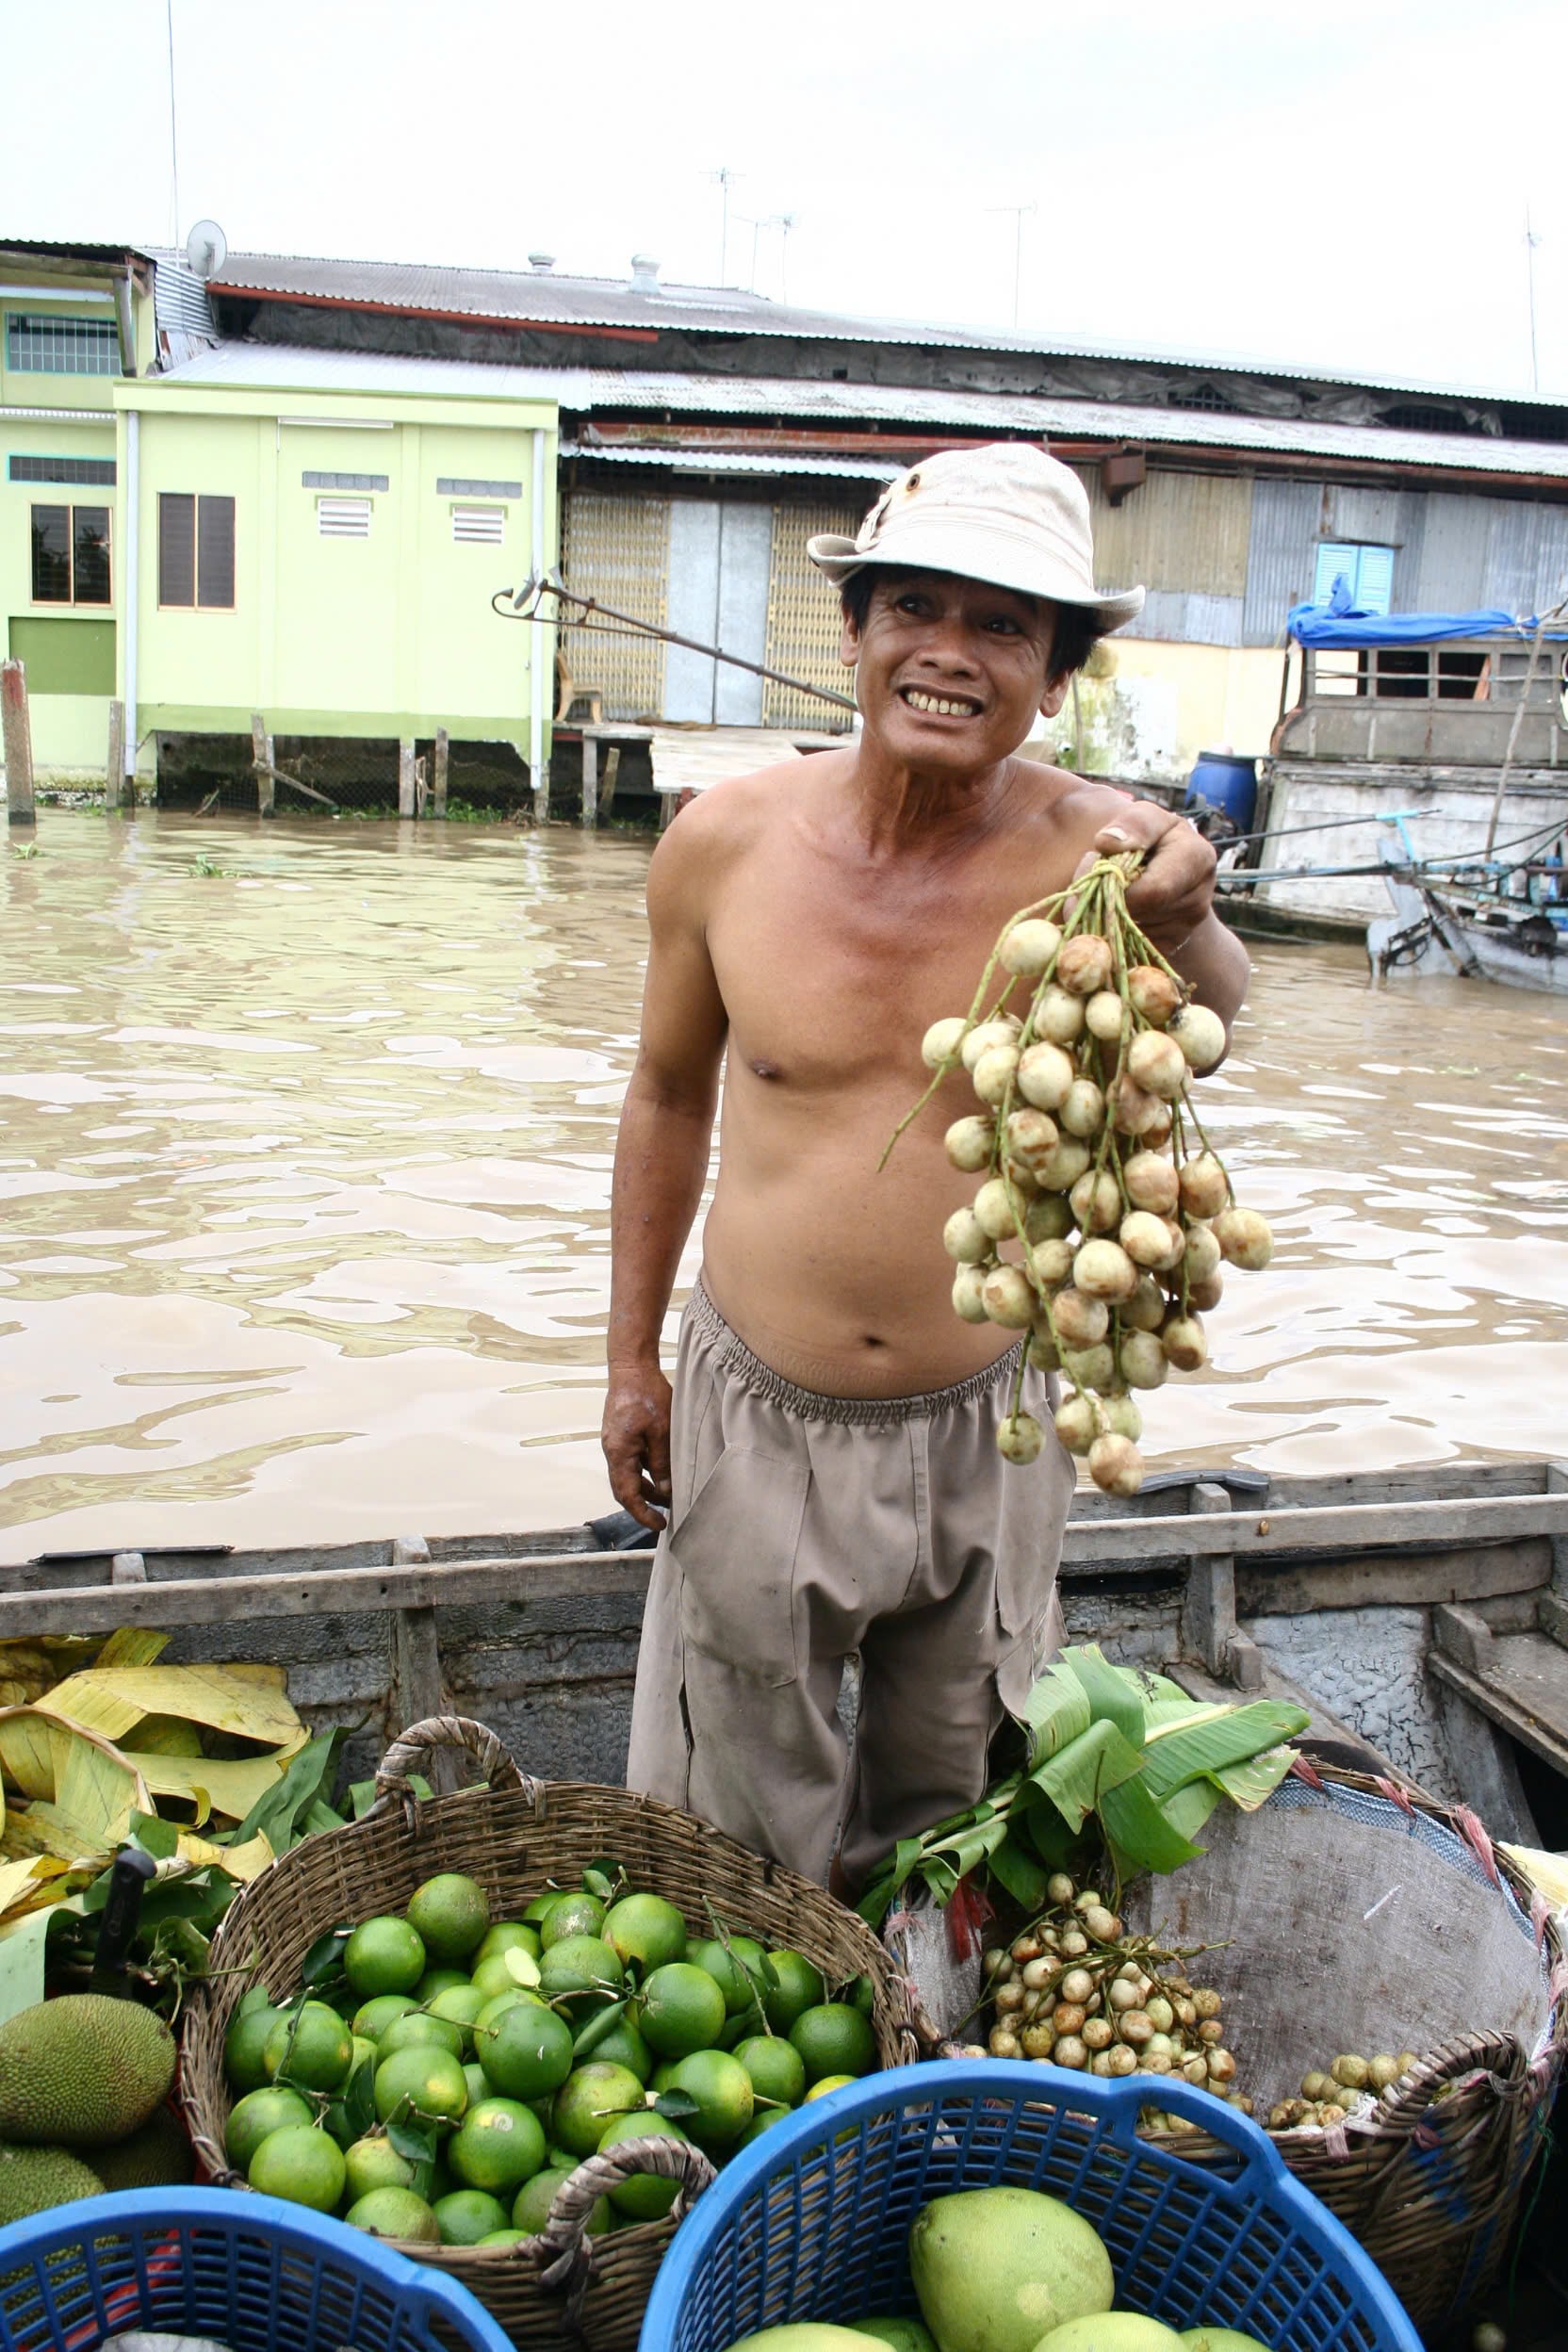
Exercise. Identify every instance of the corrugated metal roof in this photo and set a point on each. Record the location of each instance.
(541, 297)
(734, 461)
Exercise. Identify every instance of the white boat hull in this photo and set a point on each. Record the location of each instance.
(1433, 931)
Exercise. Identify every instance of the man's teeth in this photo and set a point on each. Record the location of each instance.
(918, 701)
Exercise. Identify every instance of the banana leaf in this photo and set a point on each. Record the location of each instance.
(1247, 1785)
(1234, 1737)
(1189, 1807)
(113, 1700)
(132, 1645)
(1015, 1868)
(1077, 1780)
(230, 1788)
(1112, 1697)
(1055, 1712)
(1140, 1833)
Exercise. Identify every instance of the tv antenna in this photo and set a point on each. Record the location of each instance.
(1018, 212)
(725, 176)
(207, 248)
(1531, 240)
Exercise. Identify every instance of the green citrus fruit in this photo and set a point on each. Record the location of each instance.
(534, 2199)
(418, 2029)
(799, 1987)
(438, 1981)
(373, 2162)
(579, 1968)
(538, 1911)
(573, 1915)
(526, 2052)
(476, 2079)
(494, 1977)
(258, 1998)
(647, 1930)
(459, 2005)
(681, 2009)
(776, 2068)
(313, 2048)
(256, 2115)
(498, 2007)
(245, 2045)
(395, 2212)
(623, 2046)
(722, 2088)
(502, 2237)
(662, 2075)
(833, 2038)
(300, 2164)
(385, 1955)
(828, 2082)
(728, 1970)
(762, 2122)
(647, 2195)
(589, 2098)
(372, 2018)
(422, 2080)
(497, 2145)
(468, 2214)
(449, 1913)
(507, 1936)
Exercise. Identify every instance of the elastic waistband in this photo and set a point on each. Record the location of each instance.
(806, 1404)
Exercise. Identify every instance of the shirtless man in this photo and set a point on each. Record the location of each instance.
(829, 1462)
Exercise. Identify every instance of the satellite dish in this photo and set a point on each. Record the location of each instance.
(207, 248)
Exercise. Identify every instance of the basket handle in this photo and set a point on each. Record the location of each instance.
(449, 1731)
(562, 2249)
(1262, 2165)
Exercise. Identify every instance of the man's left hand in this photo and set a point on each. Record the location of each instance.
(1174, 890)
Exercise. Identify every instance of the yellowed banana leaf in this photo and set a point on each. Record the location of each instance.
(1549, 1871)
(242, 1862)
(132, 1645)
(87, 1790)
(26, 1758)
(16, 1694)
(247, 1669)
(113, 1700)
(23, 1884)
(228, 1787)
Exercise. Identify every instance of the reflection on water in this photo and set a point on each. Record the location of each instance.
(304, 1175)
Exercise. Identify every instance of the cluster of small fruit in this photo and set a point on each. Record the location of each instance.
(444, 2073)
(1328, 2099)
(1075, 1988)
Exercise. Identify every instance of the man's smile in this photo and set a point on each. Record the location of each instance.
(940, 705)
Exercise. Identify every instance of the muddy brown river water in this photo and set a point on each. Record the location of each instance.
(304, 1170)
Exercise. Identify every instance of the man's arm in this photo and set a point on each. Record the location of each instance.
(1172, 901)
(661, 1162)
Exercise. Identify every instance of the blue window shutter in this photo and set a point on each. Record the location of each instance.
(1333, 557)
(1375, 578)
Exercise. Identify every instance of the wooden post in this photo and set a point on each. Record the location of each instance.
(114, 774)
(590, 779)
(611, 777)
(406, 804)
(261, 759)
(16, 733)
(438, 803)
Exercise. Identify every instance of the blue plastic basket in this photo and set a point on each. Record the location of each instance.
(812, 2220)
(251, 2271)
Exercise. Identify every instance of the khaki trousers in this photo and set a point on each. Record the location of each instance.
(804, 1528)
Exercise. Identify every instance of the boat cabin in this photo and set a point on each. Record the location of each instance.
(1453, 702)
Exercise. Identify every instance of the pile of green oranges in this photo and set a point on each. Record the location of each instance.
(445, 2071)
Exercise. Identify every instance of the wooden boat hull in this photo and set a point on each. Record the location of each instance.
(1438, 931)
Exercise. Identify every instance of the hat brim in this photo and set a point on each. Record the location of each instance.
(962, 551)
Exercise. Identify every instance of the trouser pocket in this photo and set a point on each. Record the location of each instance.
(735, 1548)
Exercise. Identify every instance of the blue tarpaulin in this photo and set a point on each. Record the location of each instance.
(1342, 622)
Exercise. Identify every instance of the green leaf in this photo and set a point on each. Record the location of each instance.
(906, 1854)
(1234, 1737)
(1139, 1831)
(360, 1797)
(522, 1967)
(320, 1816)
(1078, 1779)
(155, 1836)
(21, 1949)
(278, 1810)
(1110, 1697)
(1054, 1712)
(414, 2142)
(1247, 1785)
(596, 2028)
(959, 1853)
(1015, 1868)
(359, 2101)
(1190, 1808)
(676, 2106)
(596, 1882)
(325, 1958)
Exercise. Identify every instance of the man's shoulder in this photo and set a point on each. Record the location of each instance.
(1067, 802)
(728, 819)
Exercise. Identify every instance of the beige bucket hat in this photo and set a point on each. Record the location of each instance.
(1007, 512)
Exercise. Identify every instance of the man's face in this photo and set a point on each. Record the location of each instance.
(951, 672)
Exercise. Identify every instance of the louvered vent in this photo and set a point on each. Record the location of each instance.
(480, 526)
(343, 519)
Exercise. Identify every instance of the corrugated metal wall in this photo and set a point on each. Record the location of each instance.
(1287, 518)
(1185, 537)
(802, 615)
(618, 546)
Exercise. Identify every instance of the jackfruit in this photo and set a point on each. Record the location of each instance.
(157, 2157)
(33, 2179)
(82, 2070)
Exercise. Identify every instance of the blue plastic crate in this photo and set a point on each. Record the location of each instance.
(252, 2271)
(812, 2220)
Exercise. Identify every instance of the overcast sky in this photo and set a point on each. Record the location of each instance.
(1344, 186)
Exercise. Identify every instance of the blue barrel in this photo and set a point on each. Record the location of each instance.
(1226, 782)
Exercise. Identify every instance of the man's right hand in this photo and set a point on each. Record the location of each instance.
(636, 1435)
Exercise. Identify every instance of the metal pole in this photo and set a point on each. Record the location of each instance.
(1514, 731)
(1531, 242)
(671, 637)
(538, 774)
(130, 574)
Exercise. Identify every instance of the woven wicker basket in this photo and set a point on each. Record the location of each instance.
(562, 2291)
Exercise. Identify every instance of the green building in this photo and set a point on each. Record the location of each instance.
(208, 528)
